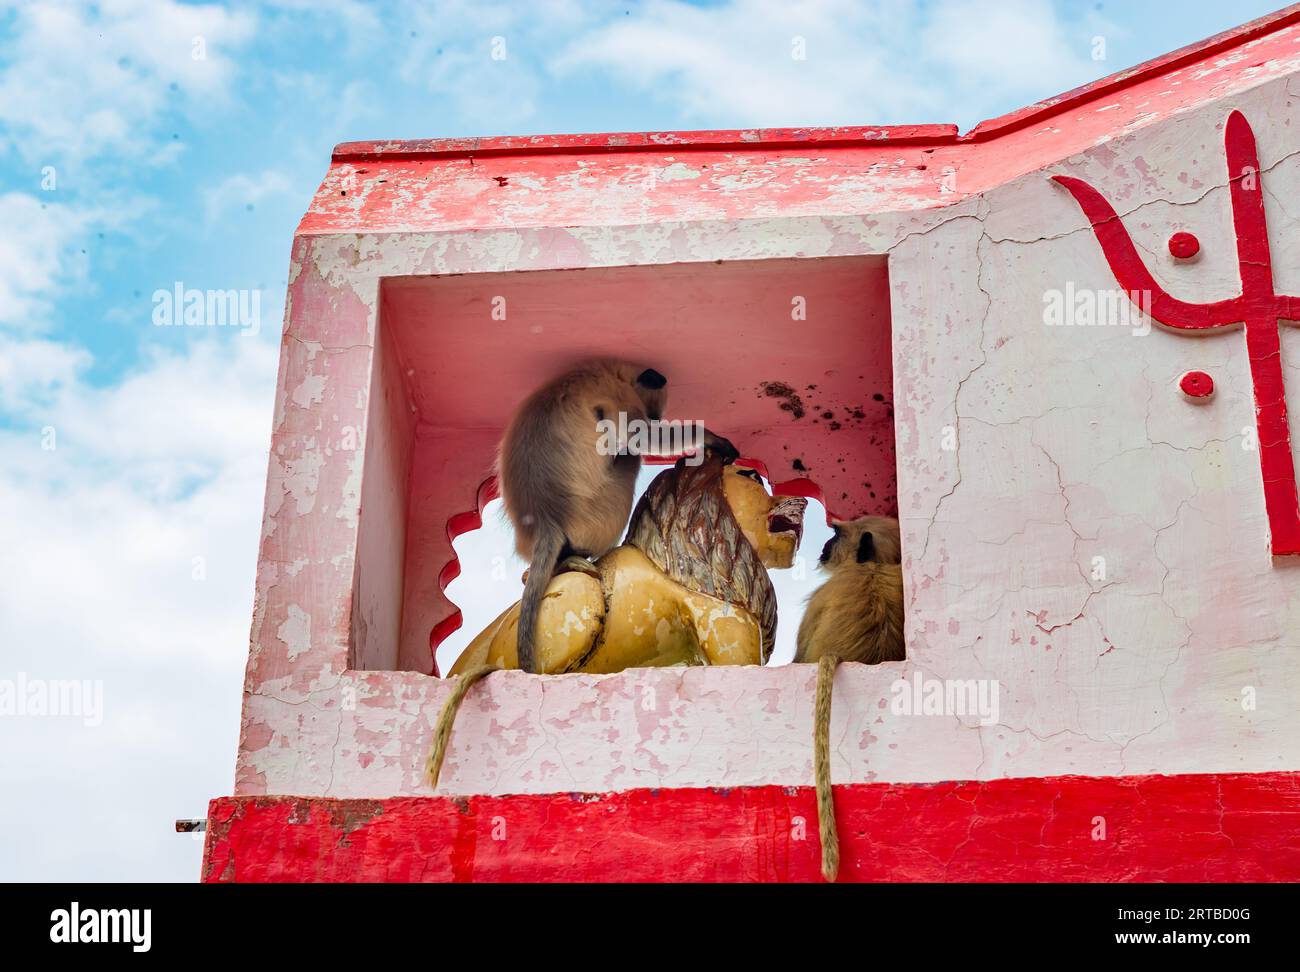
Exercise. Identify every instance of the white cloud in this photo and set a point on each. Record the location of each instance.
(145, 474)
(36, 259)
(484, 57)
(244, 189)
(351, 16)
(502, 92)
(130, 562)
(864, 61)
(85, 80)
(200, 407)
(741, 59)
(46, 254)
(1009, 47)
(133, 506)
(33, 370)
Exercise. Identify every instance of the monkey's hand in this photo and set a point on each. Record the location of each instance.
(579, 565)
(721, 447)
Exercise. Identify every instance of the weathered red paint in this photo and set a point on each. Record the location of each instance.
(1258, 308)
(371, 184)
(1214, 827)
(621, 142)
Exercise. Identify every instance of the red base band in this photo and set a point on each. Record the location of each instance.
(1229, 827)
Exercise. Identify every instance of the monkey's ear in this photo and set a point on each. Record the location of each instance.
(866, 548)
(651, 379)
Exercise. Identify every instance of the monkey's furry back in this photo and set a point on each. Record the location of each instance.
(550, 469)
(857, 615)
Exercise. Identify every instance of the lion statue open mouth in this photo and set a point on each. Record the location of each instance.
(689, 585)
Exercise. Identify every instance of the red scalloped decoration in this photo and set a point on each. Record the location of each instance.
(457, 525)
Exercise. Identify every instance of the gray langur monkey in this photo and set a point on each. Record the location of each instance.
(857, 615)
(567, 496)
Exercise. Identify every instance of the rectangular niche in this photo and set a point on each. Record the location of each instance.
(789, 358)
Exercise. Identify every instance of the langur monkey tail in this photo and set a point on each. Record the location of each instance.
(547, 547)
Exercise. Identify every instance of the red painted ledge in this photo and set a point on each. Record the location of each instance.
(620, 142)
(1195, 828)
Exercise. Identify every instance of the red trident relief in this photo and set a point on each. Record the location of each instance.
(1258, 310)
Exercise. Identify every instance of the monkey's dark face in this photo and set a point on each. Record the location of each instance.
(842, 548)
(864, 540)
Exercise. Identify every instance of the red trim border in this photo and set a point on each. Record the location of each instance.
(1192, 828)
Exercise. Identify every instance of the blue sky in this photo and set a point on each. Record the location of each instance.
(149, 142)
